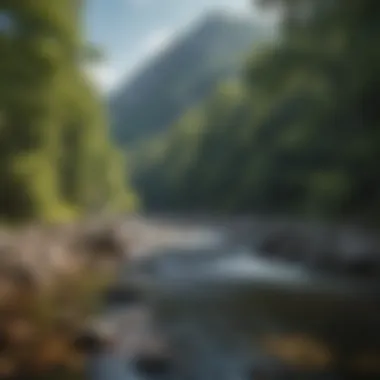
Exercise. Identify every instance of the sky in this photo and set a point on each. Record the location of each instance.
(129, 31)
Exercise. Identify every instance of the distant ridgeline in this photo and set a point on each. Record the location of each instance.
(298, 134)
(181, 76)
(56, 158)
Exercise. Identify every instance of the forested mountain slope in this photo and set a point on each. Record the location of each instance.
(182, 75)
(301, 135)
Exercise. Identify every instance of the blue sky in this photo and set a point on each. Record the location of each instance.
(129, 31)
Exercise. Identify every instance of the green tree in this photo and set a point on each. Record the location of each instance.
(53, 132)
(300, 136)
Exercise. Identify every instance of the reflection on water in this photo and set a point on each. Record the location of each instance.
(306, 353)
(226, 313)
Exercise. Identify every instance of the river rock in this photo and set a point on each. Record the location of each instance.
(89, 342)
(121, 295)
(286, 245)
(153, 365)
(100, 242)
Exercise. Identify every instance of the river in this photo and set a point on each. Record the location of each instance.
(152, 235)
(225, 298)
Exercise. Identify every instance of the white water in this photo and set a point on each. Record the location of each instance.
(196, 264)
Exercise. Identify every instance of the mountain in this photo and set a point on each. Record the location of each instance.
(183, 75)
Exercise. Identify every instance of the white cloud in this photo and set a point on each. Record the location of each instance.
(108, 75)
(156, 41)
(104, 76)
(239, 5)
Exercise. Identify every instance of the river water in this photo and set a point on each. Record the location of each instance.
(116, 321)
(213, 300)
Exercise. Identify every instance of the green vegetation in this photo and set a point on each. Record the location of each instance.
(57, 163)
(56, 159)
(299, 136)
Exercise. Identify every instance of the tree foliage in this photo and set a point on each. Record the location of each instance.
(301, 136)
(56, 161)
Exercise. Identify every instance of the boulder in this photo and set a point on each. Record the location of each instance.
(286, 245)
(362, 267)
(101, 243)
(89, 342)
(125, 296)
(152, 365)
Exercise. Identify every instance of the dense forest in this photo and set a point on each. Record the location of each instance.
(299, 136)
(56, 159)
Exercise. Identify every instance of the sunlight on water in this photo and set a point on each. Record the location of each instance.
(244, 266)
(220, 305)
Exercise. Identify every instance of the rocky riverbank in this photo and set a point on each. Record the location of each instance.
(51, 277)
(50, 281)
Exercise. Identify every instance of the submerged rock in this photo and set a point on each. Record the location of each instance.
(153, 365)
(89, 342)
(124, 296)
(286, 245)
